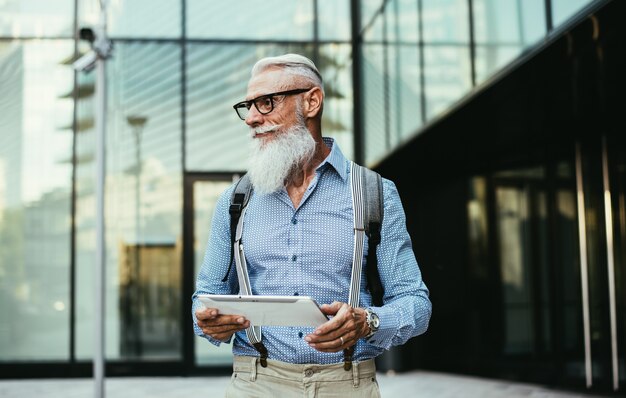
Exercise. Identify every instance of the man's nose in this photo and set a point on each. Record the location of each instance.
(254, 117)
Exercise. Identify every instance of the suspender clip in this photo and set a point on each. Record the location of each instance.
(347, 358)
(263, 351)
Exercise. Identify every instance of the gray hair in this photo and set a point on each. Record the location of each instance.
(293, 64)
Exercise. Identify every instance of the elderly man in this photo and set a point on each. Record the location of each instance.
(299, 241)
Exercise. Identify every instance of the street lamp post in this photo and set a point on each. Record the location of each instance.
(101, 49)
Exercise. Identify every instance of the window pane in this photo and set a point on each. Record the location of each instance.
(35, 191)
(447, 76)
(564, 9)
(445, 21)
(369, 11)
(334, 19)
(335, 65)
(503, 29)
(374, 102)
(37, 18)
(217, 78)
(136, 18)
(404, 92)
(205, 196)
(402, 21)
(250, 19)
(509, 22)
(489, 59)
(144, 198)
(375, 30)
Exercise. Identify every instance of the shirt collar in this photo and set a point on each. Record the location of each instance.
(335, 158)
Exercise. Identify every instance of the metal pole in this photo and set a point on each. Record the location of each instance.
(100, 272)
(608, 222)
(584, 281)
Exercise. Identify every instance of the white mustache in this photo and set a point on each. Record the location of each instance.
(264, 129)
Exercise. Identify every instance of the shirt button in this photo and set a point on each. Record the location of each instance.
(294, 257)
(296, 294)
(300, 334)
(294, 221)
(308, 372)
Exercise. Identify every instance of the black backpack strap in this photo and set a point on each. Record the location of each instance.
(238, 200)
(373, 192)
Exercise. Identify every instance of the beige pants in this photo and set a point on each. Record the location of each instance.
(285, 380)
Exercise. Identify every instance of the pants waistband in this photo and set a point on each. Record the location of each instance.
(304, 372)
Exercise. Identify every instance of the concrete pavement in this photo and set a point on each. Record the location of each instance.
(406, 385)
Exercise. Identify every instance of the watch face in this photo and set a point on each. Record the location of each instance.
(375, 321)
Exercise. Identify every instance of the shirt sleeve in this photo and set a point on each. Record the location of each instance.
(407, 308)
(216, 262)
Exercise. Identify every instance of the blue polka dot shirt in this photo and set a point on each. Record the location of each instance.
(308, 252)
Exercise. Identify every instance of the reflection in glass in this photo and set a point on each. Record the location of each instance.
(491, 58)
(143, 196)
(445, 21)
(333, 19)
(335, 65)
(539, 281)
(514, 248)
(250, 19)
(617, 174)
(135, 18)
(374, 102)
(564, 9)
(503, 29)
(404, 92)
(402, 21)
(205, 195)
(518, 22)
(374, 31)
(447, 76)
(35, 193)
(37, 18)
(85, 213)
(369, 10)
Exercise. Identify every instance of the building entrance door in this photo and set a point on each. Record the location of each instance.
(201, 194)
(560, 230)
(535, 230)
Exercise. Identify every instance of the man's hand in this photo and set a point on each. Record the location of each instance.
(346, 327)
(220, 327)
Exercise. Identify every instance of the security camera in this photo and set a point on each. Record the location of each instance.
(87, 34)
(85, 63)
(101, 48)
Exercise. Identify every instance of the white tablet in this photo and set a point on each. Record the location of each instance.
(268, 310)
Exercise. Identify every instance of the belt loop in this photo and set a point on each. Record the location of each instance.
(355, 374)
(253, 362)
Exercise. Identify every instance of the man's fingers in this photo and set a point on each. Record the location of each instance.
(331, 309)
(337, 344)
(222, 327)
(206, 313)
(225, 328)
(341, 311)
(222, 320)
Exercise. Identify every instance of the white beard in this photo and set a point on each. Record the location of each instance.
(274, 163)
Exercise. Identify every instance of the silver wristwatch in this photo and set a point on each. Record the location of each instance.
(373, 321)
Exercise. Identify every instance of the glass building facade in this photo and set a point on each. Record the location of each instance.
(391, 69)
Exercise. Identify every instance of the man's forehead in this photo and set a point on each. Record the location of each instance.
(268, 81)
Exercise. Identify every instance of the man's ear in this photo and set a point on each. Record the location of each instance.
(313, 102)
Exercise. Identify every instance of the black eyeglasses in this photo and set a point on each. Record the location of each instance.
(264, 103)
